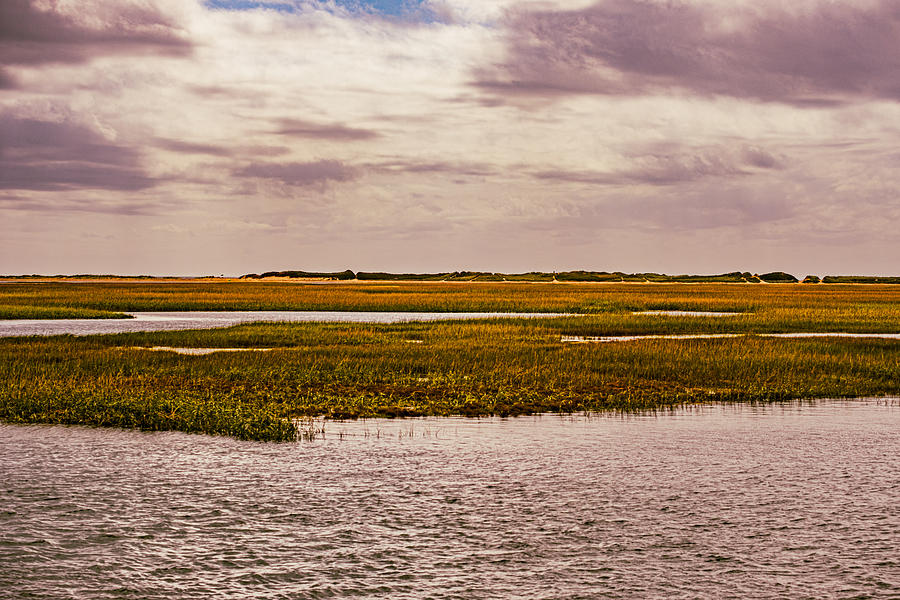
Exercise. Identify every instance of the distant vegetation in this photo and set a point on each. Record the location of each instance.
(576, 276)
(343, 275)
(107, 298)
(532, 276)
(778, 277)
(858, 279)
(363, 276)
(486, 276)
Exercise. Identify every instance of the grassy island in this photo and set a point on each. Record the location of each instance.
(474, 368)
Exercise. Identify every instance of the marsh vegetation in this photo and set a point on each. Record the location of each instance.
(31, 311)
(819, 301)
(494, 367)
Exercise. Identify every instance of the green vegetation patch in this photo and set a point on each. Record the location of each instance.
(858, 279)
(531, 276)
(17, 311)
(492, 367)
(363, 276)
(778, 277)
(335, 276)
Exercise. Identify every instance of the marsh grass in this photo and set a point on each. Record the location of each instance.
(25, 311)
(585, 298)
(474, 368)
(460, 368)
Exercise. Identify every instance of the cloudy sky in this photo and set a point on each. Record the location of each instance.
(233, 136)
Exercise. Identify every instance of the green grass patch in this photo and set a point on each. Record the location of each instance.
(24, 311)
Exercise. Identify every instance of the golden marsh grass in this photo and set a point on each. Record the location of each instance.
(493, 367)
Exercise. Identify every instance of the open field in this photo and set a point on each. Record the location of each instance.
(501, 367)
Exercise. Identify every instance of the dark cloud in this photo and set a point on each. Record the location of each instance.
(817, 57)
(318, 131)
(300, 173)
(237, 150)
(43, 155)
(31, 35)
(760, 158)
(71, 175)
(7, 82)
(661, 169)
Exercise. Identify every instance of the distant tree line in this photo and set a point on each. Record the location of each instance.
(576, 276)
(342, 276)
(534, 276)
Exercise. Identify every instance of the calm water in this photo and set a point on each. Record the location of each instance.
(686, 313)
(714, 336)
(171, 321)
(798, 501)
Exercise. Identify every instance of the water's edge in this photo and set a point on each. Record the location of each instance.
(715, 501)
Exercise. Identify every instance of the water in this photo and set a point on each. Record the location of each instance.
(687, 313)
(601, 339)
(777, 501)
(194, 351)
(172, 321)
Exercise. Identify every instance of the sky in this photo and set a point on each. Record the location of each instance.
(183, 137)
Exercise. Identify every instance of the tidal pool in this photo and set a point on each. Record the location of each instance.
(725, 501)
(194, 351)
(173, 321)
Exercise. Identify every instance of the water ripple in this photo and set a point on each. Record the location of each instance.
(784, 501)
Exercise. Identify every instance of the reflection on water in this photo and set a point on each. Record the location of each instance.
(195, 351)
(172, 321)
(791, 501)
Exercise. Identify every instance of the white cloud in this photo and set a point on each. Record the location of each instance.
(438, 169)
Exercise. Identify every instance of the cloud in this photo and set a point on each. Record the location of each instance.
(665, 167)
(35, 33)
(823, 54)
(300, 173)
(69, 176)
(761, 158)
(44, 155)
(317, 131)
(447, 167)
(7, 82)
(352, 134)
(56, 205)
(219, 150)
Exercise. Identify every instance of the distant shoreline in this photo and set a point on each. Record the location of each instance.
(383, 278)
